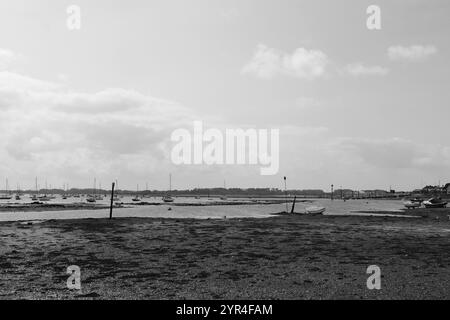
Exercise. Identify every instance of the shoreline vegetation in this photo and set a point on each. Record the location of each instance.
(282, 257)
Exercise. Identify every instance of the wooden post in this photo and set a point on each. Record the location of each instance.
(285, 195)
(293, 205)
(112, 200)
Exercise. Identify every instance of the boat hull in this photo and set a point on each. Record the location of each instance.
(315, 210)
(412, 205)
(430, 205)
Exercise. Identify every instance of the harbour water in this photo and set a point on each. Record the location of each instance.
(177, 210)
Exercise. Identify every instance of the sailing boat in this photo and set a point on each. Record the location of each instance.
(99, 196)
(5, 196)
(168, 198)
(91, 198)
(18, 192)
(64, 195)
(34, 198)
(44, 197)
(224, 197)
(136, 198)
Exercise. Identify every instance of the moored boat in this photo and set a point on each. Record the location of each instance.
(44, 198)
(434, 203)
(91, 199)
(315, 210)
(412, 204)
(168, 198)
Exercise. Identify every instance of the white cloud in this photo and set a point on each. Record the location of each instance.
(49, 129)
(396, 153)
(6, 58)
(359, 69)
(411, 53)
(302, 63)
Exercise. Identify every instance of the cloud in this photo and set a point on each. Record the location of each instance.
(396, 153)
(6, 58)
(47, 128)
(302, 63)
(20, 83)
(359, 69)
(411, 53)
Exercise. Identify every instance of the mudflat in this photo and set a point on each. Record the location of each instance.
(284, 257)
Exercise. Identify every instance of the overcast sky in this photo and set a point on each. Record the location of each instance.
(355, 107)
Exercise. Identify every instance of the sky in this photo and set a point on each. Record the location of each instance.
(357, 108)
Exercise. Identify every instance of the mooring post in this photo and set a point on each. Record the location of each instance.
(293, 204)
(112, 200)
(285, 195)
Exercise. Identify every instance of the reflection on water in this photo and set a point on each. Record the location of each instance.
(336, 207)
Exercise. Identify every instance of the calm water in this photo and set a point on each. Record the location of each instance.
(336, 207)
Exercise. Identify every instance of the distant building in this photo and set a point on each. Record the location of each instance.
(446, 188)
(436, 189)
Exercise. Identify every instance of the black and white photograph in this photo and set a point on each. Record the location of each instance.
(222, 150)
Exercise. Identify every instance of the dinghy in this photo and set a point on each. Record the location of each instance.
(315, 210)
(411, 204)
(434, 203)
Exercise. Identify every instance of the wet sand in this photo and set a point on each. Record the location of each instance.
(285, 257)
(40, 207)
(45, 206)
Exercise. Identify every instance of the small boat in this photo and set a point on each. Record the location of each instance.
(44, 198)
(136, 198)
(412, 205)
(168, 198)
(434, 203)
(93, 197)
(224, 197)
(17, 197)
(6, 196)
(417, 200)
(315, 210)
